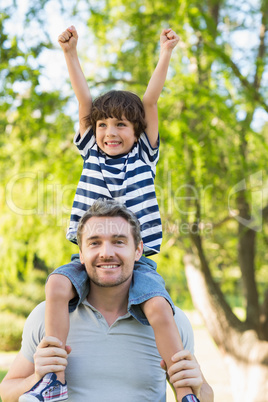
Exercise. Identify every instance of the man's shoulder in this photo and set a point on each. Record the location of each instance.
(37, 316)
(180, 313)
(185, 329)
(34, 331)
(40, 308)
(181, 318)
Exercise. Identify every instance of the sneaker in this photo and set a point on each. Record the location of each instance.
(190, 398)
(47, 389)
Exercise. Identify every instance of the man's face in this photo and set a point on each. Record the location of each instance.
(108, 251)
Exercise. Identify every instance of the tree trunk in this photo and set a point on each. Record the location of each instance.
(246, 257)
(245, 355)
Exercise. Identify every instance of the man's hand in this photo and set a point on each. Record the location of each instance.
(68, 39)
(168, 39)
(185, 372)
(50, 357)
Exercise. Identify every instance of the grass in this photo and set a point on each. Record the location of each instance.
(2, 375)
(15, 305)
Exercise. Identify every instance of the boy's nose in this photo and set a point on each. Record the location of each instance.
(111, 131)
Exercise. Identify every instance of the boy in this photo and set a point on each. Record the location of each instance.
(119, 162)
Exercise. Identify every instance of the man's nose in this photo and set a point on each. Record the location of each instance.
(107, 250)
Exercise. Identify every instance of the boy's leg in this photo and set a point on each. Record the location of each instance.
(66, 287)
(167, 337)
(150, 303)
(59, 292)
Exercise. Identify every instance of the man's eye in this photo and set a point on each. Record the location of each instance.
(120, 242)
(93, 243)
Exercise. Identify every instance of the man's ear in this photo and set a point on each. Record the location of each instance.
(139, 251)
(81, 257)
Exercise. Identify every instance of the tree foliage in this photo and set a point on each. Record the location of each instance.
(36, 161)
(212, 174)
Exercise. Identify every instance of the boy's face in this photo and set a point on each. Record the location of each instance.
(115, 137)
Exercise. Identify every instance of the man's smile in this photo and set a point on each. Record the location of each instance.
(108, 266)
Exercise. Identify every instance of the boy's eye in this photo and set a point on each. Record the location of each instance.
(101, 125)
(121, 124)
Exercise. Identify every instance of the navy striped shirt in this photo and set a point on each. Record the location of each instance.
(128, 178)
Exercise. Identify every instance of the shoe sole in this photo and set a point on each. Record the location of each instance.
(30, 398)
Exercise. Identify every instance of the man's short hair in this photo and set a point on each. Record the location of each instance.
(118, 104)
(110, 208)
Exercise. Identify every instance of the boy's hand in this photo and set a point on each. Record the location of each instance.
(68, 39)
(168, 39)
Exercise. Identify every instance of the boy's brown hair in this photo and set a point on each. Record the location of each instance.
(118, 104)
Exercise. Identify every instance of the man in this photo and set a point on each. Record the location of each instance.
(113, 356)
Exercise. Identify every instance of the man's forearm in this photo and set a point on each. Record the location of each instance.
(206, 393)
(12, 389)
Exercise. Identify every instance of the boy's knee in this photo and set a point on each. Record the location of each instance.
(157, 309)
(58, 286)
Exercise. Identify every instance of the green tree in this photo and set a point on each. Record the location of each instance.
(35, 161)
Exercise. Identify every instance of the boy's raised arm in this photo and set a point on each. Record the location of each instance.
(168, 40)
(68, 42)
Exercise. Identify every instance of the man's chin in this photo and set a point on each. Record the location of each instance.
(108, 282)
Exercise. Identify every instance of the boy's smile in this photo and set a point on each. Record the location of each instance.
(115, 137)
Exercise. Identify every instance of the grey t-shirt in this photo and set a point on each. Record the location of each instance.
(109, 364)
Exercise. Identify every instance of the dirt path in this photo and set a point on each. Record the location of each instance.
(210, 360)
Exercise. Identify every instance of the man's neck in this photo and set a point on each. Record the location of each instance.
(110, 302)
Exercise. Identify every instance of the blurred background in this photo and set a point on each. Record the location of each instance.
(211, 179)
